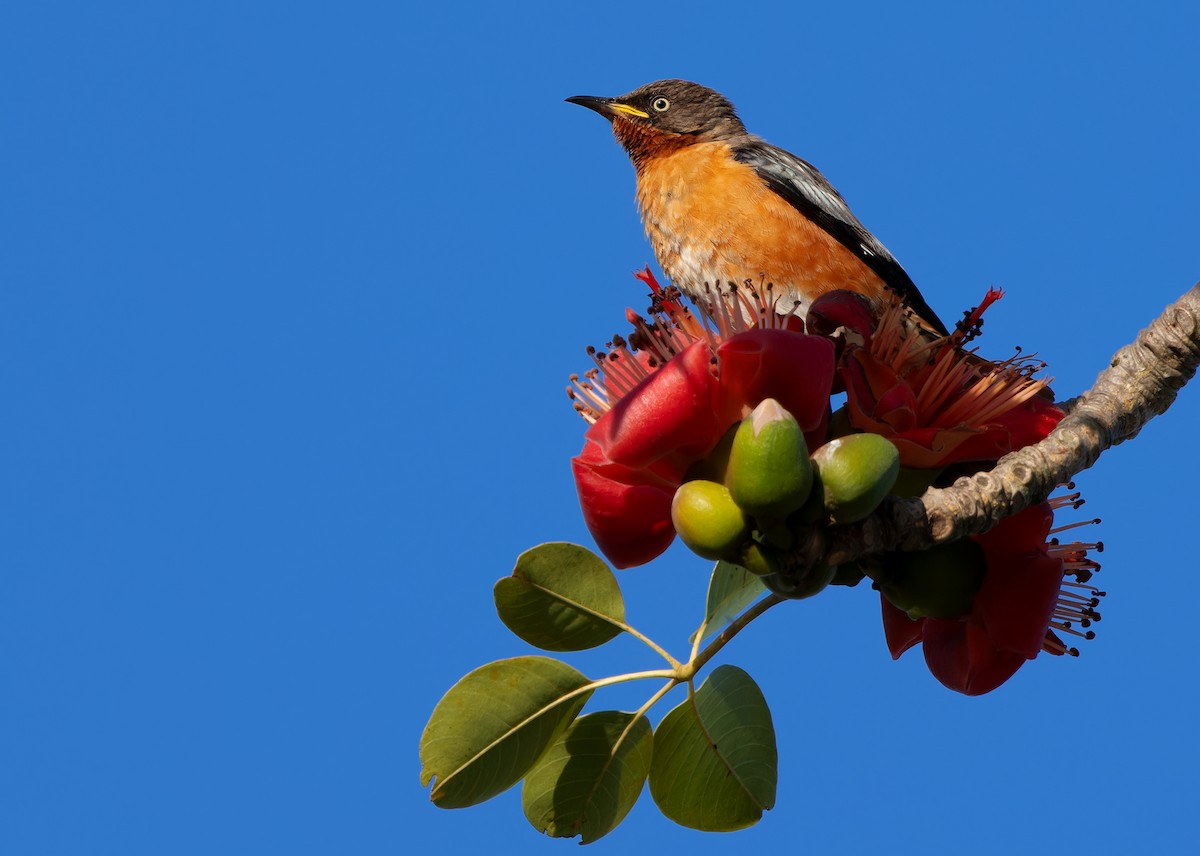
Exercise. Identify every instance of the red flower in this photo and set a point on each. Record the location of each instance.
(938, 403)
(645, 437)
(1021, 602)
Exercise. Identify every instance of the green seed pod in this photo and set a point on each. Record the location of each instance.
(798, 587)
(757, 560)
(778, 536)
(708, 520)
(937, 583)
(848, 574)
(769, 473)
(856, 473)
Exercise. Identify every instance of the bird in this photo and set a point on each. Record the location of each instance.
(721, 205)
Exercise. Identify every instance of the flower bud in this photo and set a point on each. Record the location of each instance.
(848, 574)
(708, 520)
(856, 472)
(799, 586)
(769, 473)
(847, 310)
(937, 583)
(757, 560)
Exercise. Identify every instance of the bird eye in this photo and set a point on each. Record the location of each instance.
(660, 104)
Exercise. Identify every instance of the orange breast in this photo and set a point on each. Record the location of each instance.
(712, 219)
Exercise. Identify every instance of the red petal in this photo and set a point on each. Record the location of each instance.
(647, 276)
(900, 631)
(841, 308)
(962, 657)
(627, 511)
(1017, 599)
(671, 415)
(955, 445)
(1027, 530)
(928, 448)
(875, 392)
(1031, 422)
(794, 369)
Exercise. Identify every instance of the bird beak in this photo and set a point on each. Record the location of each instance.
(610, 108)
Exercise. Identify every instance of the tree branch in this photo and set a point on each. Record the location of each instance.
(1140, 382)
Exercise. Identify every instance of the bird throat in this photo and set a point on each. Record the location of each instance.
(643, 143)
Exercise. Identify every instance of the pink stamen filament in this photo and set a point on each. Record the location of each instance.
(1075, 525)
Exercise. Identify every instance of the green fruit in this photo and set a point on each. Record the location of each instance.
(798, 587)
(708, 520)
(757, 560)
(769, 473)
(849, 574)
(856, 472)
(778, 536)
(817, 578)
(937, 583)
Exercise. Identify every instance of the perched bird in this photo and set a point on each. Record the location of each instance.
(723, 206)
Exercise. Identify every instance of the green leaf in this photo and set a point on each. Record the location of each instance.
(590, 778)
(490, 727)
(730, 590)
(561, 597)
(714, 766)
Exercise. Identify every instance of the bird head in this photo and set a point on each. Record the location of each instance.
(666, 114)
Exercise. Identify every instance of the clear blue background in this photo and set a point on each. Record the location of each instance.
(289, 293)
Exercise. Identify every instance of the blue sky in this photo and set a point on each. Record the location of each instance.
(288, 298)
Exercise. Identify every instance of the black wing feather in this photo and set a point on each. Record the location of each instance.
(810, 193)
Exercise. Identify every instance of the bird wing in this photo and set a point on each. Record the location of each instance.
(805, 189)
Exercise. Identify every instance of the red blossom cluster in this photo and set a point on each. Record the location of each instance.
(661, 401)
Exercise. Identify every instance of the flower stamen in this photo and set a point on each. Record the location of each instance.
(618, 379)
(1074, 525)
(1072, 499)
(1075, 609)
(588, 394)
(671, 329)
